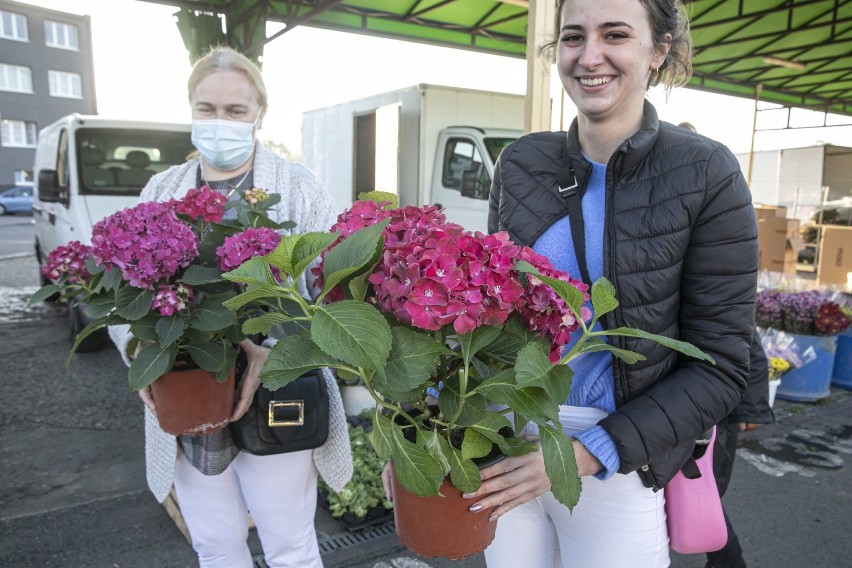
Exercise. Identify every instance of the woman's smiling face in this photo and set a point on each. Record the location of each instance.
(605, 56)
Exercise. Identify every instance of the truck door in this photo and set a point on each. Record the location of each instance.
(461, 181)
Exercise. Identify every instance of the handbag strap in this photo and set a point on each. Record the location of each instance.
(572, 192)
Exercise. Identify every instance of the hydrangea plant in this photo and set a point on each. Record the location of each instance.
(158, 267)
(411, 304)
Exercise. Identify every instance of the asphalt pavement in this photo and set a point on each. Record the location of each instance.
(73, 494)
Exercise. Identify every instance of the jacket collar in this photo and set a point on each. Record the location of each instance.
(632, 151)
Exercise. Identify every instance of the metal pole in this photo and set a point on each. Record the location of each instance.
(757, 91)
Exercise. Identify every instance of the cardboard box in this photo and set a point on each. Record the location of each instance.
(835, 255)
(770, 212)
(779, 244)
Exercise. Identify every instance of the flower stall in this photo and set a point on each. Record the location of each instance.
(813, 320)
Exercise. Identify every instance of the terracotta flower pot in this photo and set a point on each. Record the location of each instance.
(441, 526)
(193, 402)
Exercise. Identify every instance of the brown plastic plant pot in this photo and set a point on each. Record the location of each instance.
(193, 402)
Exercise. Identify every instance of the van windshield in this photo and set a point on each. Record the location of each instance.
(121, 161)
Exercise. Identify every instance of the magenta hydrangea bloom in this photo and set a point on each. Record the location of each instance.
(171, 299)
(433, 274)
(202, 203)
(240, 247)
(69, 261)
(147, 243)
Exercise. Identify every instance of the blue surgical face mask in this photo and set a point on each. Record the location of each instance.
(224, 144)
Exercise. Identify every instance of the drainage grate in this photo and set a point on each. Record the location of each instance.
(345, 540)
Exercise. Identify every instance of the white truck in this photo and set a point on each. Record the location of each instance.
(87, 167)
(428, 144)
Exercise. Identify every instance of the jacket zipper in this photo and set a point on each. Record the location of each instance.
(615, 179)
(648, 478)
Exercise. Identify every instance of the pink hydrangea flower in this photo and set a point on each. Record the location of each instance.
(172, 299)
(240, 247)
(147, 243)
(69, 261)
(433, 274)
(202, 203)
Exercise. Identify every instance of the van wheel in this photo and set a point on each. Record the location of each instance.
(77, 321)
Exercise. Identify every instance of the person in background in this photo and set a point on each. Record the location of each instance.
(216, 484)
(659, 212)
(754, 409)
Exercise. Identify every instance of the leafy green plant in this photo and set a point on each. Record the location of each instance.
(364, 492)
(411, 305)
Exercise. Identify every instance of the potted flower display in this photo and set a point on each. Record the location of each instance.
(813, 320)
(157, 267)
(412, 305)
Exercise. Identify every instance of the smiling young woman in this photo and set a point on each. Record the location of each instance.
(655, 209)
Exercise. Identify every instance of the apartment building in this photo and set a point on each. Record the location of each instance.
(46, 72)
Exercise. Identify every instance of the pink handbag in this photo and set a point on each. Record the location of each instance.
(694, 515)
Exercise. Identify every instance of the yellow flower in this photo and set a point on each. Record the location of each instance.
(777, 367)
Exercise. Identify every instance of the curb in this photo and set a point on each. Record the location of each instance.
(17, 255)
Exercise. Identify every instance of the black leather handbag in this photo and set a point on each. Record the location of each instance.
(290, 419)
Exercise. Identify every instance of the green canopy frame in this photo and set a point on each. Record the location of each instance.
(796, 53)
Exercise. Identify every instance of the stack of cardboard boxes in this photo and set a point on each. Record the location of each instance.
(780, 244)
(779, 240)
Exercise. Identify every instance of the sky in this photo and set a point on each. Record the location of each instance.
(141, 66)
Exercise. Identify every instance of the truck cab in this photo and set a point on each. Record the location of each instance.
(88, 167)
(464, 167)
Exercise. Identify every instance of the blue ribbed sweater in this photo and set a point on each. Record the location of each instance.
(593, 379)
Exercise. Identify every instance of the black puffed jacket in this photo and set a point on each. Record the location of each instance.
(680, 247)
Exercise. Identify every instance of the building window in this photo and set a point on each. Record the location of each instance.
(64, 84)
(23, 177)
(18, 133)
(16, 78)
(13, 26)
(63, 36)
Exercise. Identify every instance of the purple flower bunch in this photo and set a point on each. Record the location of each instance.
(240, 247)
(68, 261)
(806, 313)
(147, 243)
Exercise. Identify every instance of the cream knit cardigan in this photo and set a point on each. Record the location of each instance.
(305, 202)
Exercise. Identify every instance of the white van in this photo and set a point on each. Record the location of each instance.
(88, 167)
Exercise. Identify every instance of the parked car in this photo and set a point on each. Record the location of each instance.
(17, 200)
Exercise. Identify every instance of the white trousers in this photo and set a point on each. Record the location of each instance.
(618, 523)
(280, 491)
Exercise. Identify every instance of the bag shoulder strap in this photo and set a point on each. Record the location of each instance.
(572, 192)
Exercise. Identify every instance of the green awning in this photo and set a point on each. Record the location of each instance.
(798, 51)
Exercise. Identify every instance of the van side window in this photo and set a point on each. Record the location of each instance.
(62, 160)
(461, 155)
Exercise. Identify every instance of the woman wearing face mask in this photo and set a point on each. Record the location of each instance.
(215, 483)
(666, 216)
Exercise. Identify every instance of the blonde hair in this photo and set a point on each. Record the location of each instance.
(221, 58)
